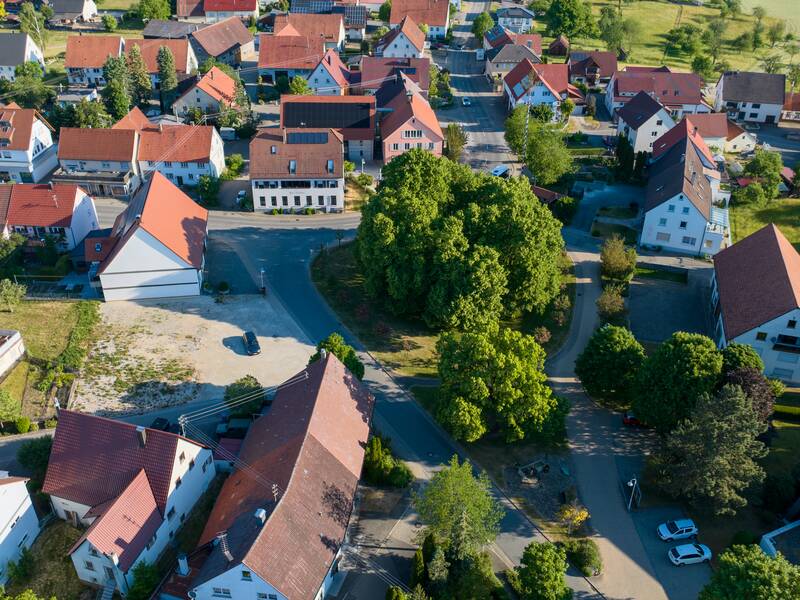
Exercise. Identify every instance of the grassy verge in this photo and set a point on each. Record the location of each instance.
(355, 196)
(784, 213)
(618, 212)
(45, 326)
(16, 381)
(53, 573)
(606, 230)
(643, 272)
(406, 346)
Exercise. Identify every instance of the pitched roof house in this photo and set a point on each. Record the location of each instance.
(502, 59)
(128, 484)
(404, 41)
(156, 248)
(227, 41)
(355, 15)
(433, 13)
(642, 121)
(86, 55)
(185, 59)
(411, 123)
(591, 66)
(330, 77)
(218, 10)
(170, 30)
(288, 56)
(749, 96)
(27, 152)
(188, 8)
(287, 538)
(212, 93)
(680, 93)
(69, 11)
(559, 46)
(378, 73)
(537, 84)
(317, 27)
(15, 49)
(516, 18)
(755, 296)
(310, 159)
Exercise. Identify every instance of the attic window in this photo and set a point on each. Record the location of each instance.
(330, 166)
(98, 247)
(273, 150)
(292, 166)
(182, 457)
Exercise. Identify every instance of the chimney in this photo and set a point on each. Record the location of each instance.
(261, 515)
(160, 126)
(141, 434)
(222, 537)
(183, 565)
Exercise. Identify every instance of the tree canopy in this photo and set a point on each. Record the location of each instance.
(710, 459)
(458, 248)
(545, 154)
(541, 573)
(673, 377)
(336, 345)
(299, 86)
(247, 394)
(492, 380)
(736, 355)
(610, 363)
(572, 18)
(167, 75)
(482, 23)
(766, 167)
(746, 572)
(138, 77)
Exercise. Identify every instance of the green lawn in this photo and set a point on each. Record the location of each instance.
(784, 213)
(16, 381)
(45, 326)
(606, 230)
(116, 4)
(783, 9)
(663, 274)
(784, 453)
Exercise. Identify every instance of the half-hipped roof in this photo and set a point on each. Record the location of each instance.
(310, 445)
(758, 279)
(679, 171)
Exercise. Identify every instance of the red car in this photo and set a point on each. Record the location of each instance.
(630, 419)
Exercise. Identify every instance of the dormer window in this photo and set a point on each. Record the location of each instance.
(98, 247)
(292, 166)
(273, 150)
(330, 166)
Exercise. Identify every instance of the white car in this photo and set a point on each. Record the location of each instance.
(501, 171)
(689, 554)
(677, 530)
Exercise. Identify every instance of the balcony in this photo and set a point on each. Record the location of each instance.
(786, 343)
(718, 222)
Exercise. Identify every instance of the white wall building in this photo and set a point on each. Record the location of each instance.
(540, 84)
(643, 121)
(19, 524)
(15, 49)
(86, 55)
(680, 93)
(753, 97)
(27, 152)
(404, 41)
(330, 77)
(213, 93)
(12, 348)
(516, 18)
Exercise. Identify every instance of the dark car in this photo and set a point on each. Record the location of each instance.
(160, 423)
(631, 420)
(251, 343)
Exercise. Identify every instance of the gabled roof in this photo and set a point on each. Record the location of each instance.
(126, 524)
(150, 48)
(91, 51)
(514, 12)
(311, 445)
(355, 15)
(407, 27)
(427, 12)
(12, 49)
(407, 107)
(758, 279)
(585, 62)
(176, 143)
(312, 26)
(711, 125)
(554, 76)
(498, 36)
(289, 52)
(274, 148)
(117, 145)
(735, 131)
(230, 5)
(17, 128)
(41, 205)
(511, 53)
(5, 202)
(135, 119)
(685, 130)
(167, 214)
(189, 8)
(639, 110)
(334, 66)
(66, 8)
(743, 86)
(792, 101)
(532, 41)
(670, 89)
(560, 43)
(95, 459)
(218, 38)
(8, 480)
(219, 85)
(679, 171)
(156, 28)
(377, 72)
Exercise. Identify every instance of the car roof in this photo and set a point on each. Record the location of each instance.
(684, 523)
(690, 548)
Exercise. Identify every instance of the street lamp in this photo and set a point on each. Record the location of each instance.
(632, 484)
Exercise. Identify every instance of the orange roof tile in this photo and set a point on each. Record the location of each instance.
(404, 108)
(150, 48)
(18, 126)
(428, 12)
(220, 86)
(91, 50)
(409, 27)
(336, 68)
(176, 143)
(273, 148)
(312, 26)
(135, 119)
(41, 205)
(75, 143)
(289, 52)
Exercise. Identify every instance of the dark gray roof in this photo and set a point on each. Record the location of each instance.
(157, 28)
(743, 86)
(511, 53)
(12, 49)
(514, 12)
(638, 110)
(679, 171)
(67, 7)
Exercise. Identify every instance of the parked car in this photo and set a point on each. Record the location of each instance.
(502, 171)
(240, 196)
(689, 554)
(251, 344)
(630, 419)
(466, 101)
(677, 530)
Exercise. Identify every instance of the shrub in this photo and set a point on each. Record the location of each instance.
(223, 287)
(234, 163)
(744, 538)
(50, 423)
(381, 467)
(364, 180)
(34, 426)
(274, 211)
(109, 22)
(611, 304)
(564, 209)
(23, 424)
(584, 555)
(309, 210)
(617, 261)
(23, 569)
(541, 335)
(349, 166)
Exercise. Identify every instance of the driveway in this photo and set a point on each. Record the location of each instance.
(659, 308)
(775, 136)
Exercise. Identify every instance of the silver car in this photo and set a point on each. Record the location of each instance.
(689, 554)
(680, 529)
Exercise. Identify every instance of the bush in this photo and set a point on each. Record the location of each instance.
(617, 261)
(109, 22)
(381, 467)
(564, 209)
(364, 180)
(23, 569)
(23, 424)
(309, 211)
(584, 555)
(349, 166)
(34, 426)
(611, 305)
(50, 423)
(778, 491)
(223, 287)
(541, 335)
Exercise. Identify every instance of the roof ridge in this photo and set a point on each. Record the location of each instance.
(785, 247)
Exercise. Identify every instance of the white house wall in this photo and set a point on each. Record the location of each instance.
(196, 98)
(84, 217)
(61, 506)
(322, 83)
(10, 353)
(231, 584)
(19, 522)
(648, 132)
(662, 221)
(780, 365)
(400, 47)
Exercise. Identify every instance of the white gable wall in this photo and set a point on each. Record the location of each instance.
(401, 47)
(662, 227)
(19, 523)
(322, 83)
(648, 132)
(231, 584)
(780, 365)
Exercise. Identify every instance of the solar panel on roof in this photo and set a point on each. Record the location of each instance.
(307, 137)
(334, 114)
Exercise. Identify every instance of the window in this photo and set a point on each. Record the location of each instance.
(292, 166)
(671, 208)
(89, 565)
(756, 105)
(184, 165)
(685, 210)
(106, 165)
(221, 592)
(662, 237)
(708, 243)
(183, 517)
(93, 551)
(659, 123)
(333, 200)
(171, 513)
(308, 200)
(407, 146)
(152, 541)
(330, 166)
(688, 241)
(413, 133)
(274, 201)
(761, 336)
(273, 150)
(753, 115)
(182, 457)
(246, 576)
(321, 200)
(178, 483)
(662, 222)
(791, 324)
(285, 200)
(98, 247)
(395, 146)
(683, 225)
(654, 134)
(782, 373)
(788, 357)
(297, 200)
(167, 163)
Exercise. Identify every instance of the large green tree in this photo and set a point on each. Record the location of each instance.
(493, 380)
(298, 86)
(710, 459)
(482, 23)
(90, 115)
(138, 78)
(455, 138)
(617, 261)
(154, 9)
(33, 23)
(609, 365)
(454, 494)
(545, 153)
(766, 167)
(11, 294)
(336, 345)
(683, 367)
(116, 93)
(433, 221)
(28, 88)
(572, 18)
(745, 572)
(167, 76)
(244, 396)
(541, 573)
(145, 580)
(736, 355)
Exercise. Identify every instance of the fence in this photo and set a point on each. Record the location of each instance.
(49, 287)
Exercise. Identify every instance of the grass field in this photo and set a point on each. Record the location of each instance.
(783, 9)
(115, 4)
(45, 326)
(784, 213)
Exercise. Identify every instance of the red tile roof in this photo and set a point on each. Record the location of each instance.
(312, 26)
(336, 68)
(311, 445)
(189, 8)
(230, 5)
(5, 201)
(427, 12)
(410, 28)
(683, 130)
(218, 38)
(41, 205)
(176, 143)
(758, 279)
(127, 523)
(219, 85)
(311, 159)
(734, 131)
(584, 62)
(670, 89)
(94, 459)
(554, 76)
(150, 48)
(169, 215)
(90, 50)
(529, 40)
(376, 72)
(711, 125)
(405, 108)
(117, 145)
(135, 119)
(289, 52)
(16, 133)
